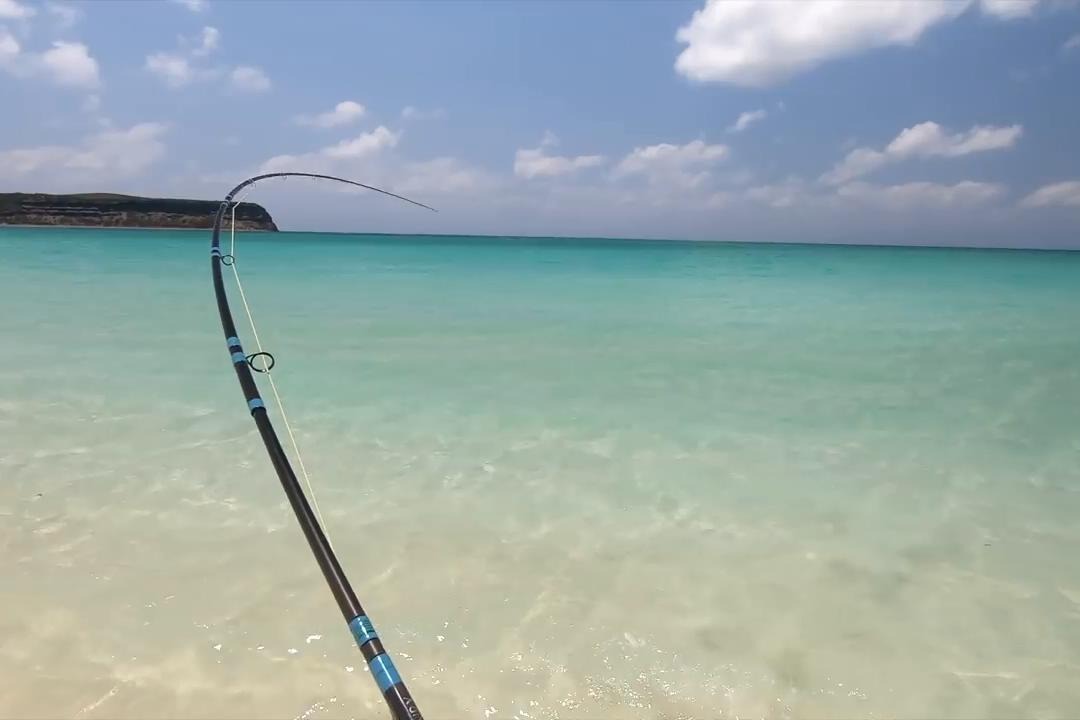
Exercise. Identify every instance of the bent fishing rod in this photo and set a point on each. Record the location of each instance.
(386, 676)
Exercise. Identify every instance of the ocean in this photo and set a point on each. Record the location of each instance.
(568, 478)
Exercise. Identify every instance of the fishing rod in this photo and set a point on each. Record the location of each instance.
(386, 676)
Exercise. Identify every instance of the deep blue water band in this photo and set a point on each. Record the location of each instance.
(382, 668)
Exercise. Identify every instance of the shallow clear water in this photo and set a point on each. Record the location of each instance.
(567, 478)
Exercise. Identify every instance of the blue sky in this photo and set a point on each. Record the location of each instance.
(910, 121)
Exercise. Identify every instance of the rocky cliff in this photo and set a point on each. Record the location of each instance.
(107, 210)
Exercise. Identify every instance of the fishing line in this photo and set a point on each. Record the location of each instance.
(267, 370)
(383, 672)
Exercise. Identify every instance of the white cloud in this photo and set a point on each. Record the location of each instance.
(248, 78)
(929, 138)
(693, 153)
(364, 144)
(747, 119)
(926, 139)
(362, 147)
(1071, 44)
(444, 175)
(923, 194)
(792, 191)
(103, 156)
(757, 43)
(208, 42)
(370, 157)
(195, 6)
(9, 50)
(858, 162)
(680, 166)
(721, 198)
(66, 15)
(345, 112)
(750, 43)
(22, 161)
(70, 63)
(123, 152)
(12, 10)
(174, 69)
(1066, 194)
(286, 162)
(411, 112)
(182, 67)
(905, 196)
(534, 163)
(1009, 9)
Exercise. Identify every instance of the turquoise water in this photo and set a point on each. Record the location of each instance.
(569, 479)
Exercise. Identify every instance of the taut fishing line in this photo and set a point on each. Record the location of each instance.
(268, 361)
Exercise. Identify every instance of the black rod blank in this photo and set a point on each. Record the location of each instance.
(386, 676)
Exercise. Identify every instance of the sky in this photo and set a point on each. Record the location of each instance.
(940, 122)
